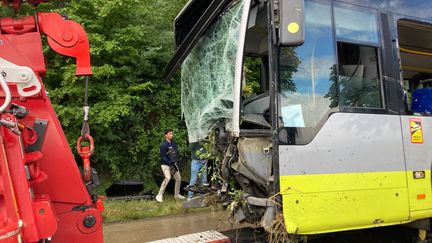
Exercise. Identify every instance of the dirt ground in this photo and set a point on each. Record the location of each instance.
(157, 228)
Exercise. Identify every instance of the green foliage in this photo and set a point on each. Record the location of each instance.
(333, 89)
(131, 42)
(139, 209)
(291, 62)
(252, 73)
(352, 91)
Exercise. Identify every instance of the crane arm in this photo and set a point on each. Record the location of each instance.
(64, 36)
(67, 38)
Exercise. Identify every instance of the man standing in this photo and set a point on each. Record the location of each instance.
(169, 158)
(198, 166)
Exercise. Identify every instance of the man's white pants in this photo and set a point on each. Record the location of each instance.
(167, 174)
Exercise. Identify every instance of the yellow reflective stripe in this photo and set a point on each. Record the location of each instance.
(315, 204)
(314, 213)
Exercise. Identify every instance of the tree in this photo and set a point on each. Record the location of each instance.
(131, 42)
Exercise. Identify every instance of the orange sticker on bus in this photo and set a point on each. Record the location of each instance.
(416, 130)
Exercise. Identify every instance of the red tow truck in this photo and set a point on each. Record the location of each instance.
(43, 195)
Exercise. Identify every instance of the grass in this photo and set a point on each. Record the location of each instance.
(117, 211)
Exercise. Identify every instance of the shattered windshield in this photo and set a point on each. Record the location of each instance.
(208, 76)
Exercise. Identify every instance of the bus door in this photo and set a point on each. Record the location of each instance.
(415, 52)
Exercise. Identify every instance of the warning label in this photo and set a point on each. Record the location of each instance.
(416, 130)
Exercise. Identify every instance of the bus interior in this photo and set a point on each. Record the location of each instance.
(415, 45)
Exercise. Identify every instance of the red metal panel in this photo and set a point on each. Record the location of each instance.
(23, 49)
(63, 184)
(9, 227)
(15, 159)
(18, 26)
(45, 218)
(75, 219)
(58, 162)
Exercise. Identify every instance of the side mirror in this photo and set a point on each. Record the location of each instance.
(291, 23)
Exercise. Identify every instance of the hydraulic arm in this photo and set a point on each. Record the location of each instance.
(43, 196)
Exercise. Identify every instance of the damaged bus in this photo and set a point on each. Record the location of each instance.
(321, 108)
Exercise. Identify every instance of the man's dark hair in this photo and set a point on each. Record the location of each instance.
(168, 130)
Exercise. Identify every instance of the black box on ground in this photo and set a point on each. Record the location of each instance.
(124, 188)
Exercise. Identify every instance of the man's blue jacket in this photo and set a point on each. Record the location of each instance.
(165, 147)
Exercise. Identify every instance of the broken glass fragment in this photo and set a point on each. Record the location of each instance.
(207, 76)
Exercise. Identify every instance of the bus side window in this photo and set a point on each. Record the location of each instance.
(359, 79)
(416, 60)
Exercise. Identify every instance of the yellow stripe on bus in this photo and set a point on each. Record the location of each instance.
(323, 203)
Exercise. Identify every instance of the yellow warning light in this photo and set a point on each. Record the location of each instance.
(419, 174)
(421, 196)
(293, 27)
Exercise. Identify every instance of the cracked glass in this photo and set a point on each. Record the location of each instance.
(207, 76)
